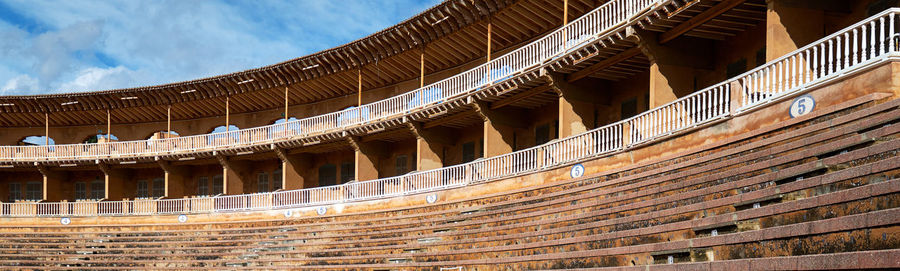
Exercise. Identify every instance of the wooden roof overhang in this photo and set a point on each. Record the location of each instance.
(707, 19)
(450, 34)
(458, 110)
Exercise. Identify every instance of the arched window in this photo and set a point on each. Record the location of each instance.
(37, 141)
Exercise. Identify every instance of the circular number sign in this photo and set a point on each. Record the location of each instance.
(65, 221)
(431, 198)
(577, 171)
(321, 210)
(802, 106)
(288, 213)
(182, 218)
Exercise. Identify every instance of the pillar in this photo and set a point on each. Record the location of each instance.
(233, 175)
(576, 104)
(46, 128)
(52, 184)
(366, 157)
(677, 68)
(175, 178)
(114, 180)
(429, 145)
(499, 127)
(359, 87)
(227, 113)
(489, 26)
(294, 170)
(422, 68)
(791, 24)
(168, 120)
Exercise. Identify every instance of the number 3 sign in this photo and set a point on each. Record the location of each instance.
(802, 106)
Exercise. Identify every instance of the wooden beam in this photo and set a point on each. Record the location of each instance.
(603, 64)
(385, 135)
(528, 23)
(448, 119)
(520, 96)
(507, 118)
(698, 20)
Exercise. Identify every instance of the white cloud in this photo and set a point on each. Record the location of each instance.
(98, 78)
(97, 45)
(19, 85)
(54, 51)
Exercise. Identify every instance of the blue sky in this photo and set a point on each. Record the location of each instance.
(69, 46)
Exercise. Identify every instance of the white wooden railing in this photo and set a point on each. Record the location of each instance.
(703, 107)
(690, 111)
(832, 56)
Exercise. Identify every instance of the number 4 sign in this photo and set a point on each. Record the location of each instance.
(802, 106)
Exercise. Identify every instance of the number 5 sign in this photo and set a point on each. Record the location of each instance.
(577, 171)
(802, 106)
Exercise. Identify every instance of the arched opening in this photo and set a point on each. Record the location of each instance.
(37, 141)
(221, 129)
(285, 128)
(282, 120)
(218, 135)
(151, 140)
(162, 135)
(100, 138)
(351, 115)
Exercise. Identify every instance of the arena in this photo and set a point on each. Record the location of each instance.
(488, 135)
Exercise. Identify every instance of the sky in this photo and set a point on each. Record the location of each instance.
(73, 46)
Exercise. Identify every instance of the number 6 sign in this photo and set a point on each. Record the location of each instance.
(802, 106)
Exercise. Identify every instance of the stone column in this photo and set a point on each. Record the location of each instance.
(498, 128)
(576, 104)
(791, 24)
(674, 66)
(294, 168)
(114, 179)
(52, 184)
(367, 156)
(429, 143)
(233, 175)
(175, 178)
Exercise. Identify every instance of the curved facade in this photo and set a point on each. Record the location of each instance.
(556, 79)
(644, 134)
